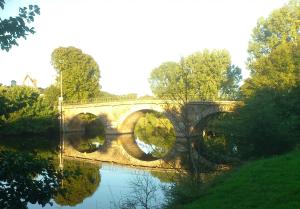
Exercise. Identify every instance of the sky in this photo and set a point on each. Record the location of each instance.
(129, 38)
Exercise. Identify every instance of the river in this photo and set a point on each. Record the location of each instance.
(114, 186)
(97, 185)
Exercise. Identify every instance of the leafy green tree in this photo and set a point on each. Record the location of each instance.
(279, 70)
(18, 97)
(80, 73)
(268, 123)
(165, 80)
(13, 28)
(51, 94)
(25, 179)
(282, 26)
(230, 86)
(208, 71)
(24, 111)
(199, 76)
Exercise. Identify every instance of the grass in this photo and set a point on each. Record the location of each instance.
(272, 183)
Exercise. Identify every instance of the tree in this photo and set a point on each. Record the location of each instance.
(165, 80)
(279, 70)
(13, 28)
(269, 121)
(80, 73)
(230, 86)
(24, 111)
(282, 26)
(207, 72)
(51, 94)
(200, 76)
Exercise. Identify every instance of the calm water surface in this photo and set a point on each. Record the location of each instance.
(114, 185)
(95, 185)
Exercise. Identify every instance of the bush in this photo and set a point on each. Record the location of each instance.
(268, 123)
(24, 112)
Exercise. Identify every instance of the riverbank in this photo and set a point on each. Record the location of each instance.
(267, 184)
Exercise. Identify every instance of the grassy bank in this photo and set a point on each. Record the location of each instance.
(266, 184)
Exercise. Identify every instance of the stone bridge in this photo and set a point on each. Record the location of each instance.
(119, 119)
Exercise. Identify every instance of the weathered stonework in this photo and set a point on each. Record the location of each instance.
(120, 118)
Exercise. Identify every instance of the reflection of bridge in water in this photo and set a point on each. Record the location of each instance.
(119, 119)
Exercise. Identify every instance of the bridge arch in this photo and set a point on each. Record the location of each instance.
(74, 123)
(127, 125)
(211, 110)
(128, 121)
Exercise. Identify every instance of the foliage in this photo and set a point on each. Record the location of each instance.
(105, 94)
(80, 73)
(24, 111)
(155, 130)
(200, 76)
(269, 121)
(263, 184)
(267, 124)
(51, 95)
(281, 27)
(17, 97)
(26, 178)
(214, 143)
(13, 28)
(82, 183)
(184, 191)
(208, 71)
(206, 75)
(279, 70)
(230, 85)
(165, 80)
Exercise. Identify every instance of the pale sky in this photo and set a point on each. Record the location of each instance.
(129, 38)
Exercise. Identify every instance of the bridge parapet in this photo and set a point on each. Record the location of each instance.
(109, 100)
